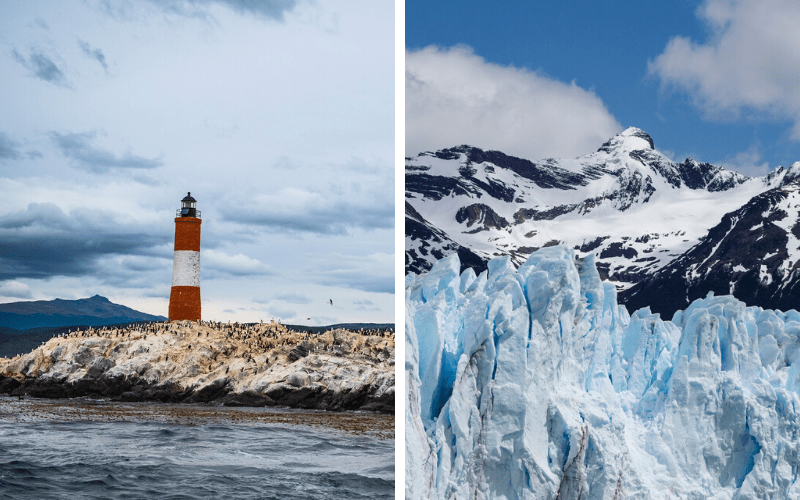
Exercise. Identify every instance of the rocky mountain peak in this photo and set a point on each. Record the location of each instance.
(630, 139)
(792, 174)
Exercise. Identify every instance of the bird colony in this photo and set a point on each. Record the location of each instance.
(234, 364)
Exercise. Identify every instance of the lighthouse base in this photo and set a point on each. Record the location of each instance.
(184, 303)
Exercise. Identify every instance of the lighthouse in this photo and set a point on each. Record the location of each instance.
(184, 299)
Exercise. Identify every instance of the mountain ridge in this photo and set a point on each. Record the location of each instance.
(91, 311)
(631, 206)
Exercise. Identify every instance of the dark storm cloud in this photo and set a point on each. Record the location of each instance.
(272, 9)
(119, 272)
(8, 148)
(42, 67)
(78, 147)
(42, 241)
(94, 53)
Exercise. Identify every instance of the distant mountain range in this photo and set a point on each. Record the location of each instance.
(664, 232)
(25, 325)
(94, 311)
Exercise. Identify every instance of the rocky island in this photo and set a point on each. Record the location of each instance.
(264, 364)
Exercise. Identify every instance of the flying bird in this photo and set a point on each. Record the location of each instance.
(331, 301)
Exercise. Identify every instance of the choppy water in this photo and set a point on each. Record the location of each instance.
(48, 458)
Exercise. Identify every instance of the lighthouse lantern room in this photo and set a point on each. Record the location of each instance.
(188, 207)
(184, 298)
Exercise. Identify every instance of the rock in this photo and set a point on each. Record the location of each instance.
(247, 398)
(8, 384)
(216, 389)
(297, 379)
(99, 367)
(233, 365)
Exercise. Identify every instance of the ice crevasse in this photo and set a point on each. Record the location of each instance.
(535, 384)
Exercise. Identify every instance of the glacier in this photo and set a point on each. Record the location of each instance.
(534, 383)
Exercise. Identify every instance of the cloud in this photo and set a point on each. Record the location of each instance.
(15, 289)
(283, 314)
(274, 9)
(370, 273)
(455, 97)
(42, 67)
(78, 148)
(748, 162)
(94, 53)
(293, 298)
(8, 148)
(748, 66)
(217, 264)
(151, 273)
(300, 211)
(42, 241)
(365, 305)
(267, 9)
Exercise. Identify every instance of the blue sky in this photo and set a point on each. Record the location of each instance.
(278, 117)
(706, 79)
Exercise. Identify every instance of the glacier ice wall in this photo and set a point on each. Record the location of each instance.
(535, 384)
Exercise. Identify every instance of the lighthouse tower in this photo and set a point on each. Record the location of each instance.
(184, 299)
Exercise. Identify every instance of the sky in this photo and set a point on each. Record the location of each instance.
(278, 116)
(714, 80)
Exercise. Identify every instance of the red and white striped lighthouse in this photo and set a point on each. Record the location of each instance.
(184, 299)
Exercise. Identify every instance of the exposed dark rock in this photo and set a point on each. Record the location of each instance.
(213, 391)
(588, 247)
(545, 176)
(437, 187)
(481, 214)
(447, 155)
(299, 351)
(433, 242)
(218, 392)
(616, 249)
(524, 214)
(246, 398)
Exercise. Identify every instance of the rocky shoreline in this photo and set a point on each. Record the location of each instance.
(224, 364)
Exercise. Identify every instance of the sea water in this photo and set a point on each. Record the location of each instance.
(44, 456)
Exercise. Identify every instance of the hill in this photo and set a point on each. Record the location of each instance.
(92, 311)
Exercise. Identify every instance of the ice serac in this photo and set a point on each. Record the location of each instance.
(534, 383)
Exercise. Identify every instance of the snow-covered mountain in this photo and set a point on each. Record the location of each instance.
(753, 254)
(534, 383)
(629, 205)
